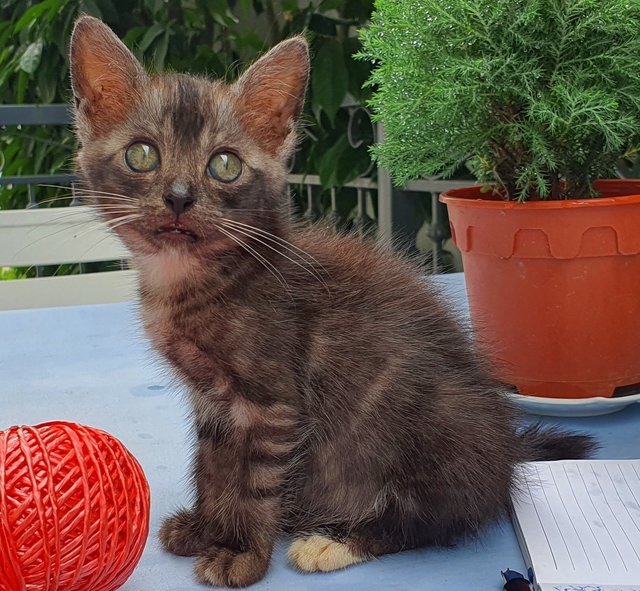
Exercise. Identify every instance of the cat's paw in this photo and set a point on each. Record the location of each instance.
(181, 534)
(322, 554)
(224, 567)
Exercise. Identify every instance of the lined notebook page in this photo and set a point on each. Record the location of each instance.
(578, 523)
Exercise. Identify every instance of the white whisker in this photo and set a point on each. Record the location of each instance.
(121, 221)
(68, 226)
(68, 213)
(269, 236)
(111, 224)
(309, 269)
(108, 198)
(57, 199)
(56, 221)
(61, 198)
(98, 192)
(267, 264)
(115, 207)
(106, 236)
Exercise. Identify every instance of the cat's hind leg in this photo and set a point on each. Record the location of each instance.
(324, 553)
(392, 531)
(331, 550)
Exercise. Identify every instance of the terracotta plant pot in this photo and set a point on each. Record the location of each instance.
(554, 287)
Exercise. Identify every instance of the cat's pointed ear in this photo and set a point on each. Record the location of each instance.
(105, 77)
(271, 94)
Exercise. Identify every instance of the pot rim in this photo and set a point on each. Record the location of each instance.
(623, 194)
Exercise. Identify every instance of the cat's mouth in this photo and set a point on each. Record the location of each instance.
(176, 231)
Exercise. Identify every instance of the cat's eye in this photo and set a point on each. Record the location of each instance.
(225, 167)
(142, 157)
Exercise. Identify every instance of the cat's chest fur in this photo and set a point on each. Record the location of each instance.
(183, 322)
(214, 342)
(185, 337)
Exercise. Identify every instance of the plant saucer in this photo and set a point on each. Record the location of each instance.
(571, 407)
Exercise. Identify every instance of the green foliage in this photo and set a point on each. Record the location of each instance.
(217, 38)
(7, 273)
(540, 96)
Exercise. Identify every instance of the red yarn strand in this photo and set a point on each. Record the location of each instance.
(53, 571)
(116, 462)
(8, 559)
(43, 557)
(83, 541)
(99, 535)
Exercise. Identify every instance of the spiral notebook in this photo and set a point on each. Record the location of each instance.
(578, 524)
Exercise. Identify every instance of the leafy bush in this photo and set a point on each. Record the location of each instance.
(213, 37)
(540, 96)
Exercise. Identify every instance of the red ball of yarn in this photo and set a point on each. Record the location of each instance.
(74, 509)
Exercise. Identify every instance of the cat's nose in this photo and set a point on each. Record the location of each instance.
(178, 204)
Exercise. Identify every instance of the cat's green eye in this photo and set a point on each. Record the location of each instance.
(142, 157)
(225, 167)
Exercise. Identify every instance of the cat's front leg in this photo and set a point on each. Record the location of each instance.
(241, 465)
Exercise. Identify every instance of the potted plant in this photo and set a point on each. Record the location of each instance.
(540, 99)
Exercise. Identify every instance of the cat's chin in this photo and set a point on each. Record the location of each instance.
(181, 245)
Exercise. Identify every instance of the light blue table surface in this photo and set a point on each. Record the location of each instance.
(90, 364)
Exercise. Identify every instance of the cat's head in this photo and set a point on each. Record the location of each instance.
(167, 159)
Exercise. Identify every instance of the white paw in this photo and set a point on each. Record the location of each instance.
(321, 554)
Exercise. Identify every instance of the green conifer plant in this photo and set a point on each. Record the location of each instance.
(538, 97)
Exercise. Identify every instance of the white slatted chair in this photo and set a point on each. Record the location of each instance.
(35, 237)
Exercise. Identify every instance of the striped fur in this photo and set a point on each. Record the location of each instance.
(334, 395)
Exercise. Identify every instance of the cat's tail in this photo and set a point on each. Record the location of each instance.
(541, 443)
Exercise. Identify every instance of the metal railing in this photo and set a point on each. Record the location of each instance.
(389, 211)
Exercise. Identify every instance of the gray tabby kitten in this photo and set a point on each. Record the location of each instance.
(334, 394)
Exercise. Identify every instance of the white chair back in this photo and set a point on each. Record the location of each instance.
(53, 236)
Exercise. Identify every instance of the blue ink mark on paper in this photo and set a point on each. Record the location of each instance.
(578, 588)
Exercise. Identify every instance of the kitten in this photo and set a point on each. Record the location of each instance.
(334, 394)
